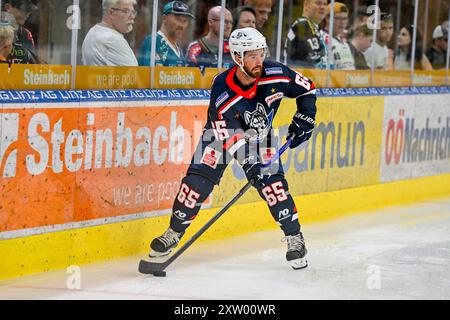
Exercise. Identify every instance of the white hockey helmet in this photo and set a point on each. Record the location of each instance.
(243, 40)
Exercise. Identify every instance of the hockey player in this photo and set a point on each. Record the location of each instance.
(244, 101)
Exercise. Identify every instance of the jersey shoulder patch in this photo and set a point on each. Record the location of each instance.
(221, 99)
(274, 71)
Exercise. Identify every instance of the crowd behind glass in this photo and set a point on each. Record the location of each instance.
(318, 34)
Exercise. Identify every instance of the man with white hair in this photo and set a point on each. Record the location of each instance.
(204, 51)
(244, 101)
(6, 42)
(105, 44)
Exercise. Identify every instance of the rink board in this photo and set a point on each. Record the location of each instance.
(80, 163)
(103, 204)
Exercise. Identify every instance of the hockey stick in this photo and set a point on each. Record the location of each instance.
(157, 268)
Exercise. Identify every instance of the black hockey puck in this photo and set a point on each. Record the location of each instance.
(159, 273)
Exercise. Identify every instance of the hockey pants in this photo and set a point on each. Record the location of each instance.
(195, 189)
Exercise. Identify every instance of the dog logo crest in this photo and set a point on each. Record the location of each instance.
(259, 123)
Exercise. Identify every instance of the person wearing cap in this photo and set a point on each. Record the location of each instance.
(362, 14)
(304, 46)
(204, 52)
(380, 53)
(437, 54)
(105, 44)
(342, 57)
(21, 10)
(175, 21)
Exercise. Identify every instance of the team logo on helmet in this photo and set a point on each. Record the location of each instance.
(241, 35)
(259, 123)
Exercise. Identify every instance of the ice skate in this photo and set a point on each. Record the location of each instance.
(296, 251)
(163, 245)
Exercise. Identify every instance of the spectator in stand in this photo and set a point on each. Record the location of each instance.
(263, 8)
(204, 52)
(361, 40)
(381, 53)
(305, 46)
(6, 42)
(19, 53)
(105, 44)
(342, 54)
(437, 54)
(244, 17)
(362, 15)
(403, 56)
(175, 21)
(21, 10)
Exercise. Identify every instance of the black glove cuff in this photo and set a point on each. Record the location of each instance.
(304, 121)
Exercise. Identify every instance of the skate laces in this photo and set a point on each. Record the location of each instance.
(294, 242)
(170, 237)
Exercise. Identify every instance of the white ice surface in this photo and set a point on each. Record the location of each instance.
(396, 253)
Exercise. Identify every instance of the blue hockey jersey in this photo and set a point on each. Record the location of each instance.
(238, 118)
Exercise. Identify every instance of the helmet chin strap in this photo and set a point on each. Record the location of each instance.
(241, 66)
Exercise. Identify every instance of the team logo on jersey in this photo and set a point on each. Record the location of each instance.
(180, 215)
(259, 123)
(211, 157)
(276, 70)
(224, 96)
(274, 97)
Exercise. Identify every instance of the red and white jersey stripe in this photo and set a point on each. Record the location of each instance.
(272, 80)
(229, 104)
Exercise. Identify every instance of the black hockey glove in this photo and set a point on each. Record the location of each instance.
(302, 126)
(254, 175)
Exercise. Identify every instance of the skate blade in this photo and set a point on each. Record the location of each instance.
(298, 264)
(156, 254)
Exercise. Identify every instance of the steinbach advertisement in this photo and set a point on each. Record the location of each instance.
(80, 163)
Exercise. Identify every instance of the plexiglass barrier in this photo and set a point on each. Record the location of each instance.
(114, 44)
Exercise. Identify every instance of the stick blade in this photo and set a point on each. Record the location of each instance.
(147, 267)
